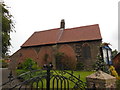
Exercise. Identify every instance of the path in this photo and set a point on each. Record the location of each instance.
(5, 74)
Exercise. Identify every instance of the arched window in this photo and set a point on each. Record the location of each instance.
(86, 52)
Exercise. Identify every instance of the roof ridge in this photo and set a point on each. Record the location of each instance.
(46, 30)
(56, 35)
(82, 26)
(67, 28)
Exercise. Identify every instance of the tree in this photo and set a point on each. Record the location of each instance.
(7, 27)
(100, 65)
(114, 53)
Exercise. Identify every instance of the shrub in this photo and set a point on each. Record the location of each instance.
(29, 64)
(113, 71)
(100, 65)
(79, 66)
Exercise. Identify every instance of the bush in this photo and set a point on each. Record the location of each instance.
(100, 65)
(79, 66)
(29, 64)
(113, 71)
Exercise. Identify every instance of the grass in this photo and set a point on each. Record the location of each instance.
(82, 75)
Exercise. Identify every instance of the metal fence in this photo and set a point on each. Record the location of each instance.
(45, 79)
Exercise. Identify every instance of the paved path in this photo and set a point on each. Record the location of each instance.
(5, 73)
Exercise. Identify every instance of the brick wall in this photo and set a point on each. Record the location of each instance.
(116, 63)
(72, 50)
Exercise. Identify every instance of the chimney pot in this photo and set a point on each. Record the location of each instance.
(62, 24)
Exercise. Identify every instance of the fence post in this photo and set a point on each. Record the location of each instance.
(48, 67)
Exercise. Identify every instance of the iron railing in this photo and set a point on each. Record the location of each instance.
(46, 79)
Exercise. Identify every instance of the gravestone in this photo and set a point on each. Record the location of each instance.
(101, 79)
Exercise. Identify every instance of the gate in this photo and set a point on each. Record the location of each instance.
(46, 79)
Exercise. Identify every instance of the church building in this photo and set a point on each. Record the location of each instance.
(78, 45)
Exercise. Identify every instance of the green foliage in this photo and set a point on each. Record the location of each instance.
(100, 65)
(20, 71)
(114, 53)
(79, 74)
(79, 66)
(26, 74)
(29, 64)
(7, 27)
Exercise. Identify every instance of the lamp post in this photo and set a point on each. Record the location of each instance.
(106, 53)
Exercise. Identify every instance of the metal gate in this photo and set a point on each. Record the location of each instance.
(46, 79)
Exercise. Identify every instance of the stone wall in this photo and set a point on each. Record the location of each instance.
(84, 52)
(94, 51)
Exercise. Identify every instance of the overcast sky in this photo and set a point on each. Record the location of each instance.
(38, 15)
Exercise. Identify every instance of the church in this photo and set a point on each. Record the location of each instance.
(77, 45)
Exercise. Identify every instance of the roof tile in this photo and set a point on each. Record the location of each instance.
(53, 36)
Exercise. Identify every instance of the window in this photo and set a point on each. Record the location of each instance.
(86, 53)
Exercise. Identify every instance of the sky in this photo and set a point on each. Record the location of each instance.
(38, 15)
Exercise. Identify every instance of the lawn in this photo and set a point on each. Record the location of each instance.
(81, 74)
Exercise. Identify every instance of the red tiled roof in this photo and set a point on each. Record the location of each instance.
(53, 36)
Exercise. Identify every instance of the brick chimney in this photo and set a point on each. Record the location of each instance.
(62, 24)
